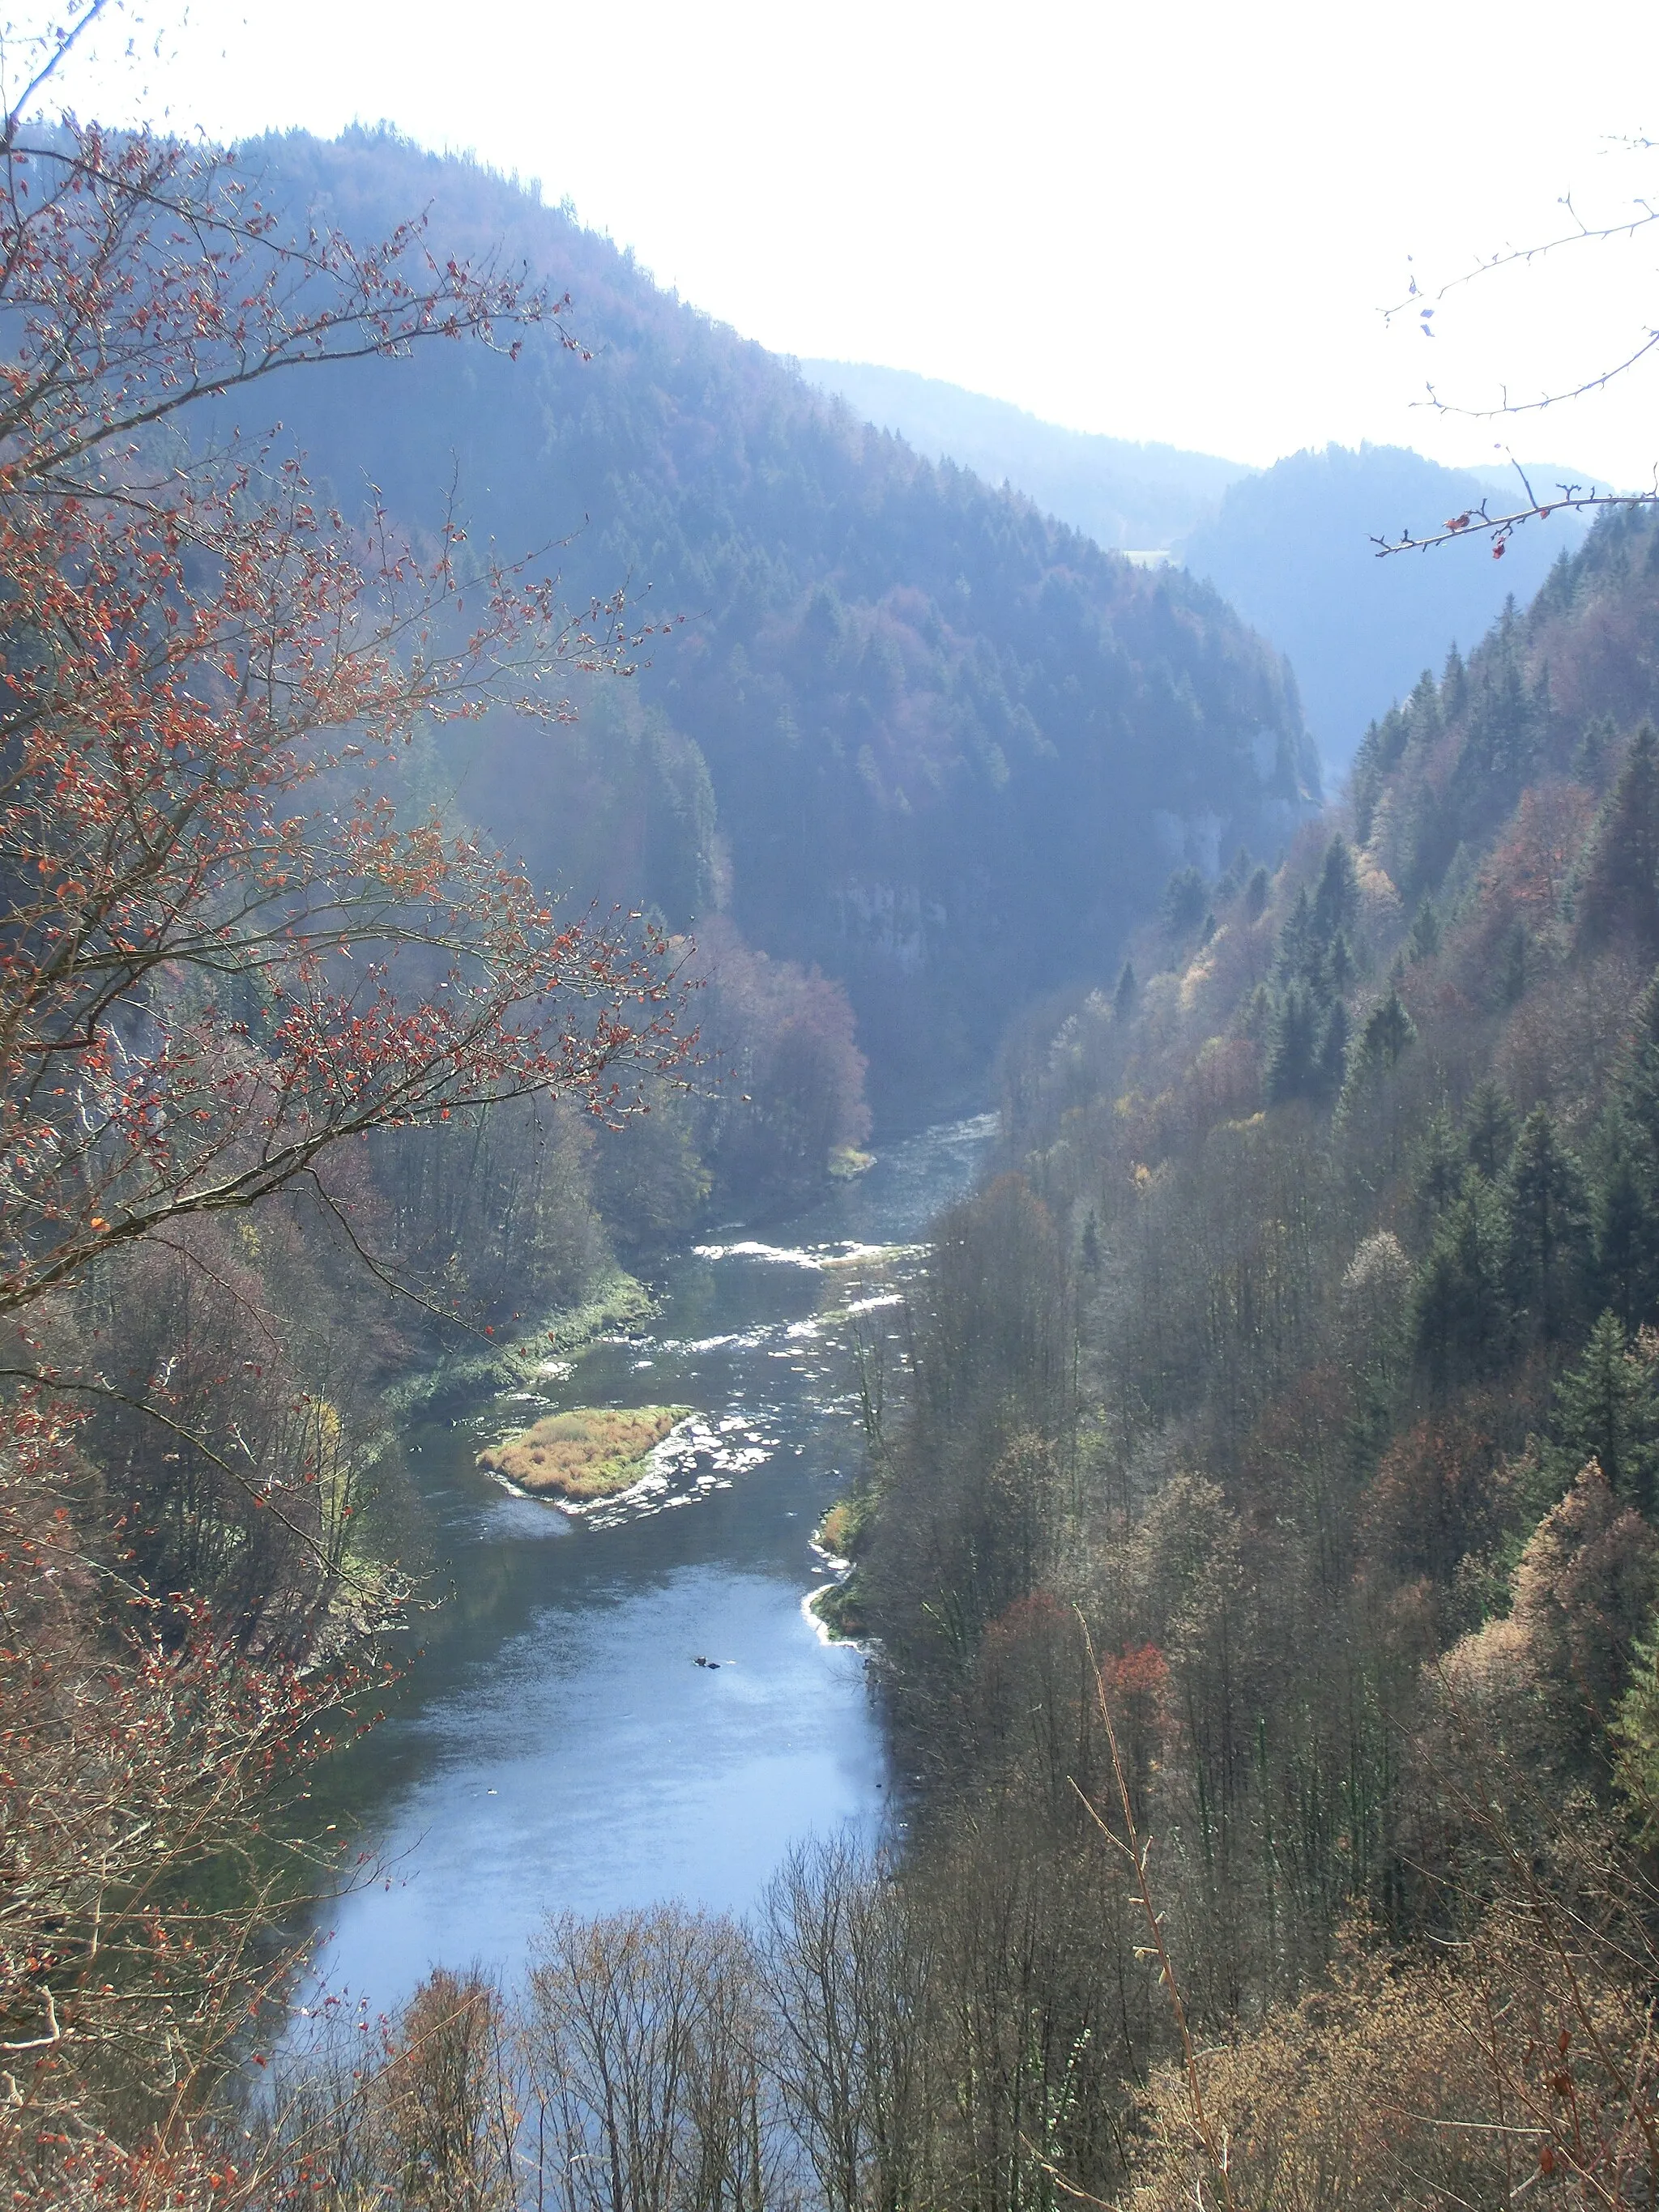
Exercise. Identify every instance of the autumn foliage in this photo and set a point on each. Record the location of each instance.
(228, 943)
(223, 949)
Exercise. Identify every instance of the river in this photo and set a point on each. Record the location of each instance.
(557, 1746)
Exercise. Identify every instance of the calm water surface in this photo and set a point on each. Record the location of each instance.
(558, 1747)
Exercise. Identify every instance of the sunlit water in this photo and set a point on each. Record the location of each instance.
(558, 1746)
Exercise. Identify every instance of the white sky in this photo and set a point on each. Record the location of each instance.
(1172, 219)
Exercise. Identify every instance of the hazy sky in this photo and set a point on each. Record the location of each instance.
(1160, 219)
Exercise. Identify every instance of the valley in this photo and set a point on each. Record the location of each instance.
(829, 1231)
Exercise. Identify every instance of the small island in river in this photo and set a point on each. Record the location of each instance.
(588, 1453)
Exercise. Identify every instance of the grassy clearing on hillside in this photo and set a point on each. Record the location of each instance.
(590, 1452)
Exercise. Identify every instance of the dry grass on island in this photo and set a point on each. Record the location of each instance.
(588, 1453)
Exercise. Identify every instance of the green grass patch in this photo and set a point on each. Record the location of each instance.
(842, 1610)
(617, 1302)
(592, 1451)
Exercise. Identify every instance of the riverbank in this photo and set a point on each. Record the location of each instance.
(618, 1301)
(833, 1609)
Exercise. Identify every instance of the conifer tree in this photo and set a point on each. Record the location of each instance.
(1236, 876)
(1635, 1733)
(1422, 708)
(1512, 965)
(1333, 1064)
(1425, 939)
(1388, 1031)
(1625, 1199)
(1298, 945)
(1549, 1226)
(1637, 1096)
(1336, 901)
(1555, 593)
(1366, 781)
(1293, 1064)
(1606, 1408)
(1594, 751)
(1489, 1132)
(1443, 1167)
(1454, 686)
(1626, 1231)
(1184, 900)
(1089, 1246)
(1618, 896)
(1461, 1306)
(1503, 716)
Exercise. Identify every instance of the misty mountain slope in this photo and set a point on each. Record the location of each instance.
(1288, 546)
(953, 749)
(1122, 495)
(1291, 549)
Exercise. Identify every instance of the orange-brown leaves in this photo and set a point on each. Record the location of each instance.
(214, 961)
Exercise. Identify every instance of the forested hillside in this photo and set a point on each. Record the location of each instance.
(1291, 547)
(1306, 1352)
(952, 748)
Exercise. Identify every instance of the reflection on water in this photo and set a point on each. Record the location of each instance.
(560, 1748)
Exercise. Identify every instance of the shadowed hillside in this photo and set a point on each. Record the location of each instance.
(1290, 547)
(952, 747)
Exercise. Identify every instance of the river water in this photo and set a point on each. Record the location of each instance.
(557, 1746)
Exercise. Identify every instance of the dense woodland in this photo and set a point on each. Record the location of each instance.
(1125, 497)
(1257, 1528)
(1305, 1355)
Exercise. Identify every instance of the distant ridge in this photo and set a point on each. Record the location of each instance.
(1128, 498)
(1291, 549)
